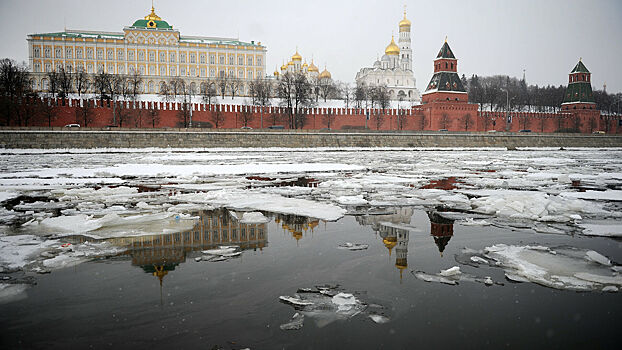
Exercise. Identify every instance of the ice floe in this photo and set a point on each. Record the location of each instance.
(353, 246)
(605, 230)
(254, 218)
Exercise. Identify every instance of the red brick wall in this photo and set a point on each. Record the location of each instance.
(434, 115)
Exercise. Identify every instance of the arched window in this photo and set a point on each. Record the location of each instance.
(445, 65)
(151, 87)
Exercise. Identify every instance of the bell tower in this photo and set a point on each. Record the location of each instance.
(404, 42)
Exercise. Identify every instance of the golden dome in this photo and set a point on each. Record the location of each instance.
(152, 16)
(284, 66)
(305, 65)
(313, 68)
(276, 73)
(296, 57)
(390, 242)
(325, 74)
(404, 24)
(290, 63)
(392, 49)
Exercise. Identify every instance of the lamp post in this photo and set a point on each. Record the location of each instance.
(507, 110)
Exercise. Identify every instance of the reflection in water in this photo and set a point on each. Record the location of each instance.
(442, 229)
(296, 225)
(394, 229)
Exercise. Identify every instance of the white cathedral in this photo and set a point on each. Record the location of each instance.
(394, 69)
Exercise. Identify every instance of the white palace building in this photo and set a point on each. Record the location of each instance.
(394, 69)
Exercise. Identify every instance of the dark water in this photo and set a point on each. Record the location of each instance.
(158, 296)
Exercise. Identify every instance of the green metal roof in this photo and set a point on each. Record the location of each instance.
(580, 68)
(445, 52)
(143, 23)
(445, 81)
(579, 92)
(73, 34)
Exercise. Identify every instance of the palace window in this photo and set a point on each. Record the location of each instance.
(259, 74)
(231, 73)
(221, 59)
(221, 73)
(110, 54)
(89, 53)
(89, 68)
(446, 65)
(241, 74)
(141, 55)
(202, 58)
(37, 67)
(100, 54)
(68, 53)
(202, 72)
(100, 68)
(37, 52)
(121, 69)
(162, 70)
(193, 58)
(47, 52)
(162, 56)
(130, 55)
(120, 55)
(48, 67)
(250, 61)
(231, 59)
(452, 66)
(212, 59)
(182, 71)
(79, 53)
(173, 71)
(259, 61)
(141, 70)
(152, 70)
(241, 60)
(68, 68)
(172, 57)
(44, 84)
(193, 71)
(249, 75)
(110, 69)
(212, 72)
(58, 53)
(182, 57)
(151, 56)
(151, 87)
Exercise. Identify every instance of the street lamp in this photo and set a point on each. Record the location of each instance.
(507, 109)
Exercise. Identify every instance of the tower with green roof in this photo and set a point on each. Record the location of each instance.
(579, 91)
(445, 83)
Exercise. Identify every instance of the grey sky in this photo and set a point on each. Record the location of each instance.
(546, 38)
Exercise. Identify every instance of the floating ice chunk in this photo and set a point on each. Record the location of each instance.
(295, 323)
(18, 251)
(4, 196)
(488, 281)
(266, 202)
(353, 246)
(473, 222)
(351, 200)
(608, 195)
(451, 271)
(219, 251)
(295, 301)
(379, 318)
(477, 259)
(254, 218)
(344, 301)
(602, 230)
(610, 289)
(596, 257)
(566, 269)
(433, 278)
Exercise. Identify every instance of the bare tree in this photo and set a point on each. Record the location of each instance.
(327, 88)
(222, 81)
(47, 109)
(153, 115)
(294, 92)
(65, 83)
(82, 82)
(101, 82)
(328, 118)
(246, 114)
(467, 120)
(524, 121)
(360, 95)
(15, 89)
(444, 121)
(217, 116)
(208, 91)
(84, 113)
(347, 93)
(233, 86)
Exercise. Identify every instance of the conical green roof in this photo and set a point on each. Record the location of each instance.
(445, 52)
(580, 68)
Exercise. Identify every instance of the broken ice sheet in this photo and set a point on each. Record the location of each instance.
(566, 268)
(325, 305)
(353, 246)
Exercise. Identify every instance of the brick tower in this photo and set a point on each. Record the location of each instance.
(579, 91)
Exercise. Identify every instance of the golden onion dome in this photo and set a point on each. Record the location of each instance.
(404, 23)
(305, 65)
(276, 73)
(296, 57)
(390, 242)
(313, 68)
(284, 67)
(392, 49)
(290, 63)
(325, 74)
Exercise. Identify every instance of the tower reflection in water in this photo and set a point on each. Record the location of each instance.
(394, 229)
(296, 225)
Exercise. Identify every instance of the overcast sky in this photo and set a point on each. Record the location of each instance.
(544, 38)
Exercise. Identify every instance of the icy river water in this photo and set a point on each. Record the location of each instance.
(310, 249)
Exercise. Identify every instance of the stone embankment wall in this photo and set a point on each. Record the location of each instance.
(196, 138)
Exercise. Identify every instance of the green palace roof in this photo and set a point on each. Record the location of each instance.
(151, 24)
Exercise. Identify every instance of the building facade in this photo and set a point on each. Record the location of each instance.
(394, 69)
(150, 47)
